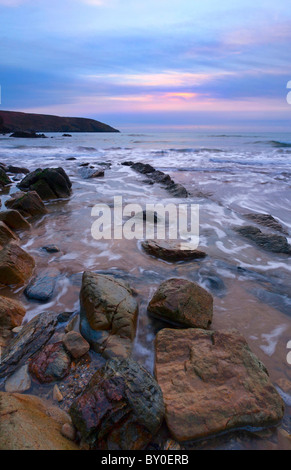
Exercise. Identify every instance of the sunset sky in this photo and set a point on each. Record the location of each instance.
(149, 64)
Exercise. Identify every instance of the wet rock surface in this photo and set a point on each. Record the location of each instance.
(267, 221)
(11, 313)
(212, 383)
(28, 204)
(182, 302)
(76, 344)
(269, 242)
(16, 265)
(14, 220)
(42, 287)
(108, 314)
(170, 250)
(32, 337)
(29, 423)
(50, 364)
(121, 408)
(50, 183)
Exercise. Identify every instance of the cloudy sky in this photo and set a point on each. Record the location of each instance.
(149, 63)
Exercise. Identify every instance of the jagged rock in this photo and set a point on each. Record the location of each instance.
(121, 408)
(28, 135)
(16, 170)
(14, 220)
(29, 423)
(33, 336)
(57, 396)
(76, 344)
(269, 242)
(51, 363)
(16, 265)
(4, 179)
(51, 249)
(267, 220)
(28, 204)
(108, 314)
(50, 183)
(19, 381)
(170, 250)
(182, 302)
(11, 313)
(87, 173)
(6, 235)
(212, 383)
(42, 287)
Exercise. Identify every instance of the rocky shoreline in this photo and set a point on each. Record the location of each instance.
(206, 382)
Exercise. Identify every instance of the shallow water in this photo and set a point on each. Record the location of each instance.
(228, 176)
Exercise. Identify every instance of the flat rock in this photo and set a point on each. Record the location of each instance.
(269, 242)
(29, 423)
(121, 408)
(33, 336)
(50, 364)
(76, 344)
(212, 383)
(19, 381)
(182, 302)
(14, 220)
(50, 183)
(42, 287)
(108, 314)
(170, 250)
(28, 204)
(16, 265)
(6, 235)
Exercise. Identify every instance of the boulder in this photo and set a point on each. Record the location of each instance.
(42, 286)
(170, 250)
(212, 383)
(269, 242)
(108, 314)
(6, 235)
(182, 302)
(120, 409)
(14, 220)
(19, 381)
(29, 423)
(28, 204)
(16, 265)
(11, 313)
(50, 183)
(50, 364)
(17, 169)
(32, 337)
(4, 179)
(76, 344)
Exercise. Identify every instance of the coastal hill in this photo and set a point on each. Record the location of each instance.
(12, 121)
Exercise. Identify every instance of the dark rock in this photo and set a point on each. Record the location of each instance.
(212, 383)
(16, 265)
(87, 173)
(16, 170)
(28, 204)
(51, 248)
(50, 183)
(14, 220)
(50, 364)
(143, 168)
(182, 302)
(65, 316)
(4, 179)
(269, 242)
(66, 135)
(28, 135)
(121, 408)
(170, 250)
(42, 287)
(108, 314)
(266, 220)
(71, 159)
(32, 337)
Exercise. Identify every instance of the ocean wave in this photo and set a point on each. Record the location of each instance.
(274, 143)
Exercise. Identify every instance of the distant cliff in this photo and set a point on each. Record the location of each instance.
(11, 121)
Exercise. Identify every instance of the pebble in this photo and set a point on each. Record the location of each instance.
(57, 396)
(68, 431)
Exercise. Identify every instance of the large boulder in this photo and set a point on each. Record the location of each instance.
(50, 183)
(267, 241)
(182, 302)
(28, 204)
(16, 265)
(212, 383)
(50, 364)
(170, 250)
(29, 423)
(14, 220)
(120, 409)
(6, 235)
(32, 337)
(108, 314)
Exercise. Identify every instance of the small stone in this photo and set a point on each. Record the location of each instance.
(51, 248)
(17, 330)
(68, 431)
(76, 344)
(57, 396)
(18, 382)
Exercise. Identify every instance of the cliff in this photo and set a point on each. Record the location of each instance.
(12, 121)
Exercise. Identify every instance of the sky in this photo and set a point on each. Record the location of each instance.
(149, 64)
